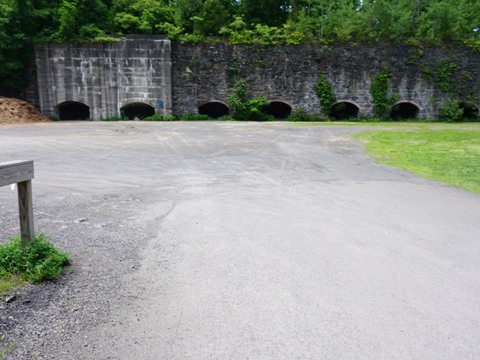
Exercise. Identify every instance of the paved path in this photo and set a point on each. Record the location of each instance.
(268, 241)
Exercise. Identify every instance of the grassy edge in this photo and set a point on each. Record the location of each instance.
(392, 156)
(391, 124)
(10, 283)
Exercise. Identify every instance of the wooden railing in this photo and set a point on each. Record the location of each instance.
(21, 173)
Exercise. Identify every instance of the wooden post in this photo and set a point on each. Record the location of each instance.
(21, 173)
(25, 210)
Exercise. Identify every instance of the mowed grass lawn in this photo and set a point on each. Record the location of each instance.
(450, 155)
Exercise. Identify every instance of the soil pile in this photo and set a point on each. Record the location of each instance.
(13, 111)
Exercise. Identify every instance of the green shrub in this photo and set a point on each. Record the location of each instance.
(239, 32)
(191, 38)
(90, 31)
(325, 93)
(451, 111)
(39, 260)
(299, 114)
(238, 97)
(106, 39)
(470, 112)
(158, 117)
(254, 110)
(266, 35)
(191, 117)
(54, 117)
(244, 108)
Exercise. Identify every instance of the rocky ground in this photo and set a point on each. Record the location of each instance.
(14, 111)
(101, 223)
(38, 319)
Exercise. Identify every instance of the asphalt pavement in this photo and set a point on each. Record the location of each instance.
(255, 241)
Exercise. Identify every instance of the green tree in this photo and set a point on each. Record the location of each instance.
(68, 15)
(215, 14)
(45, 18)
(265, 12)
(139, 16)
(327, 20)
(185, 13)
(16, 52)
(22, 22)
(449, 21)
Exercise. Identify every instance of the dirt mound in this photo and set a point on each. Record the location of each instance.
(13, 111)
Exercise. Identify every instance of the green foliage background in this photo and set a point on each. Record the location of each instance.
(23, 22)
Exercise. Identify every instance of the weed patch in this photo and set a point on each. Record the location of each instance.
(37, 261)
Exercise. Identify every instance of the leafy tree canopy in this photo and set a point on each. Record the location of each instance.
(435, 22)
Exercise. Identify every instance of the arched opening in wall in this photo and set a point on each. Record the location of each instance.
(470, 111)
(342, 110)
(137, 110)
(404, 110)
(214, 109)
(73, 110)
(278, 109)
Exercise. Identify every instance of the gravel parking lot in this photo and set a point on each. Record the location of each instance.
(222, 240)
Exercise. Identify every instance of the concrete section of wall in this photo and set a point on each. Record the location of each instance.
(105, 76)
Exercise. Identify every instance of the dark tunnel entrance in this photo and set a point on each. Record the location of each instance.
(344, 110)
(137, 110)
(73, 110)
(278, 109)
(214, 109)
(404, 110)
(470, 111)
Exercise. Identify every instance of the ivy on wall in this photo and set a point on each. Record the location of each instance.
(379, 92)
(451, 79)
(325, 93)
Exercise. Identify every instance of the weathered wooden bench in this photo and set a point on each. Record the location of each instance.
(21, 173)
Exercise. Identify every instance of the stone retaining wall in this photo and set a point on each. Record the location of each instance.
(180, 78)
(207, 72)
